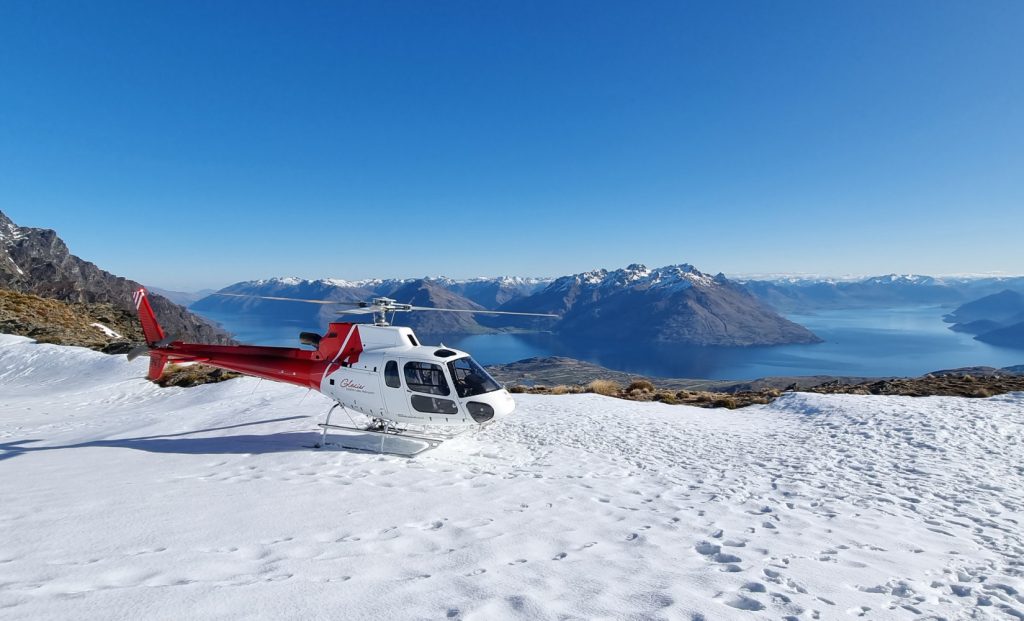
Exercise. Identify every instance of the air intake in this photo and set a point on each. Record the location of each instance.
(309, 338)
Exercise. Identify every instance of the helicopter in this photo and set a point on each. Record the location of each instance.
(415, 396)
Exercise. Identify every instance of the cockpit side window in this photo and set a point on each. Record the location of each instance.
(470, 378)
(426, 377)
(391, 375)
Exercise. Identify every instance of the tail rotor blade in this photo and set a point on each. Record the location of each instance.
(138, 351)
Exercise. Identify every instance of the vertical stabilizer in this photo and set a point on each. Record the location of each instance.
(156, 366)
(150, 327)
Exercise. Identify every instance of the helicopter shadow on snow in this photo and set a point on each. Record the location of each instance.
(182, 443)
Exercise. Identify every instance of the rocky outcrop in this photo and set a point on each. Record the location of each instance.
(37, 261)
(95, 325)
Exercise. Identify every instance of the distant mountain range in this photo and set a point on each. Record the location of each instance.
(441, 292)
(795, 295)
(677, 304)
(997, 319)
(38, 262)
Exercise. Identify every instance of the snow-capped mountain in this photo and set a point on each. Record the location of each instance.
(796, 294)
(676, 303)
(493, 292)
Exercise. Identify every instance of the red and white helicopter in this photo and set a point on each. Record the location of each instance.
(415, 393)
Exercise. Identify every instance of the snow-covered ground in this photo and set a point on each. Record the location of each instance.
(119, 499)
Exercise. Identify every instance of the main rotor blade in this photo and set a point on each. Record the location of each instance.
(270, 297)
(358, 311)
(479, 312)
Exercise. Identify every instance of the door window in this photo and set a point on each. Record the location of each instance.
(391, 375)
(433, 405)
(426, 377)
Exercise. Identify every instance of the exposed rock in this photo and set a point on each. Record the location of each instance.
(558, 370)
(557, 376)
(62, 323)
(934, 386)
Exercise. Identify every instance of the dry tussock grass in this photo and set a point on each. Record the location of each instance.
(604, 387)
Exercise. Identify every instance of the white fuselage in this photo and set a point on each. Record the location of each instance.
(398, 379)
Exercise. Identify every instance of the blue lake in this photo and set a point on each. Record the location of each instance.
(860, 342)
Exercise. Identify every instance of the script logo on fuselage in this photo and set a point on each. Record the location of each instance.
(352, 386)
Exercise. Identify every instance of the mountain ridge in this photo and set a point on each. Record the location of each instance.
(37, 261)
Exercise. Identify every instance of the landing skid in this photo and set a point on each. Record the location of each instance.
(381, 436)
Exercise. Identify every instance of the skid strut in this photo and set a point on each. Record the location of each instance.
(401, 441)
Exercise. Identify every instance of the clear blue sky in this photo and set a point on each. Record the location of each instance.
(195, 144)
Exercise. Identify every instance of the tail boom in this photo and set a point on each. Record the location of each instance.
(341, 345)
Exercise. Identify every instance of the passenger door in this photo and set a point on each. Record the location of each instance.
(396, 395)
(430, 397)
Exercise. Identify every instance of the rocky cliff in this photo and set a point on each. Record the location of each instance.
(37, 261)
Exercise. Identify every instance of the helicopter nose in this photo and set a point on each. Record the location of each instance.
(487, 407)
(505, 404)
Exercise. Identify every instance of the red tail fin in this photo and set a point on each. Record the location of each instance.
(150, 327)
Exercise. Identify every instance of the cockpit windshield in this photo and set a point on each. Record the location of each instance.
(470, 378)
